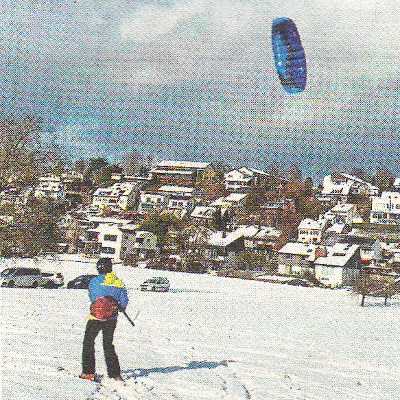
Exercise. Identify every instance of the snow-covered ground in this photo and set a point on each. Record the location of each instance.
(208, 338)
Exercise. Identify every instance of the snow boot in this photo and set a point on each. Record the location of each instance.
(90, 377)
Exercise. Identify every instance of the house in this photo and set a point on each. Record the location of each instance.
(259, 238)
(119, 196)
(51, 187)
(181, 172)
(203, 214)
(232, 201)
(178, 200)
(311, 231)
(221, 246)
(298, 258)
(340, 186)
(142, 244)
(386, 209)
(342, 213)
(339, 266)
(118, 241)
(242, 179)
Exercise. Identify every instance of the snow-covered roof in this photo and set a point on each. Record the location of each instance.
(223, 239)
(338, 255)
(171, 172)
(172, 188)
(343, 207)
(182, 164)
(298, 248)
(230, 199)
(202, 212)
(308, 223)
(336, 228)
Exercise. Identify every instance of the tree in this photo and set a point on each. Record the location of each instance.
(132, 163)
(33, 229)
(294, 172)
(383, 178)
(102, 176)
(360, 173)
(19, 150)
(80, 165)
(375, 284)
(160, 224)
(93, 165)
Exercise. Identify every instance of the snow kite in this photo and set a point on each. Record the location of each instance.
(289, 56)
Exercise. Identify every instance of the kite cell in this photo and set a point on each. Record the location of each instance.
(289, 56)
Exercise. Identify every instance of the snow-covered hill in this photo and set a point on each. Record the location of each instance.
(208, 338)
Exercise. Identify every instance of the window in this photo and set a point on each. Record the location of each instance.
(108, 250)
(111, 238)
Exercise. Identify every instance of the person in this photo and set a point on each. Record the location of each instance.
(107, 295)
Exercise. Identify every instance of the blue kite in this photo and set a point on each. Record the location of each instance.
(289, 55)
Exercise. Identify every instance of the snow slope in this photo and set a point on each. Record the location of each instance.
(208, 338)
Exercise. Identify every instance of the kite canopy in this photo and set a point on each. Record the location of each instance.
(289, 56)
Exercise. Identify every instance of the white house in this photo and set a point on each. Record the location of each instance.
(50, 186)
(386, 208)
(178, 200)
(116, 241)
(342, 213)
(233, 200)
(340, 186)
(311, 231)
(340, 265)
(297, 258)
(203, 213)
(242, 179)
(120, 195)
(142, 244)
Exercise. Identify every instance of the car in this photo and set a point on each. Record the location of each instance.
(80, 282)
(52, 280)
(30, 277)
(155, 284)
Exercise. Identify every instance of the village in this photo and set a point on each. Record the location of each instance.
(240, 222)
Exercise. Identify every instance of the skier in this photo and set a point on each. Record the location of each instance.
(107, 295)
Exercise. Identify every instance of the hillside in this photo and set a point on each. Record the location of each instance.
(208, 338)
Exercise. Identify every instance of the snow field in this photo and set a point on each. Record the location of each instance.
(208, 338)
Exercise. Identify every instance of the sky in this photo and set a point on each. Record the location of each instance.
(195, 79)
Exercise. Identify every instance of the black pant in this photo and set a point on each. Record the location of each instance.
(93, 327)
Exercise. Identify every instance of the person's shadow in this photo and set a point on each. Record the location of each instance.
(134, 373)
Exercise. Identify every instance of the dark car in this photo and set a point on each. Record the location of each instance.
(81, 282)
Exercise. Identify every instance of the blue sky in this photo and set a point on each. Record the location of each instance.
(195, 79)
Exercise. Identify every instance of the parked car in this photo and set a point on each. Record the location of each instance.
(81, 282)
(156, 284)
(52, 279)
(30, 277)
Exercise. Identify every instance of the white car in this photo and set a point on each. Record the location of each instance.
(156, 284)
(30, 277)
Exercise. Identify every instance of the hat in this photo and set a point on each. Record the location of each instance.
(104, 265)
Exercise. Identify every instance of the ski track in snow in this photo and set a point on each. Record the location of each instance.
(209, 338)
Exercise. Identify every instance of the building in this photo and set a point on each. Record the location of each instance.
(311, 231)
(117, 241)
(51, 187)
(339, 187)
(298, 258)
(181, 172)
(177, 200)
(386, 208)
(232, 201)
(339, 266)
(342, 213)
(119, 196)
(221, 246)
(203, 214)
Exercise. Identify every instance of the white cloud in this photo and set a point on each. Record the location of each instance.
(224, 18)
